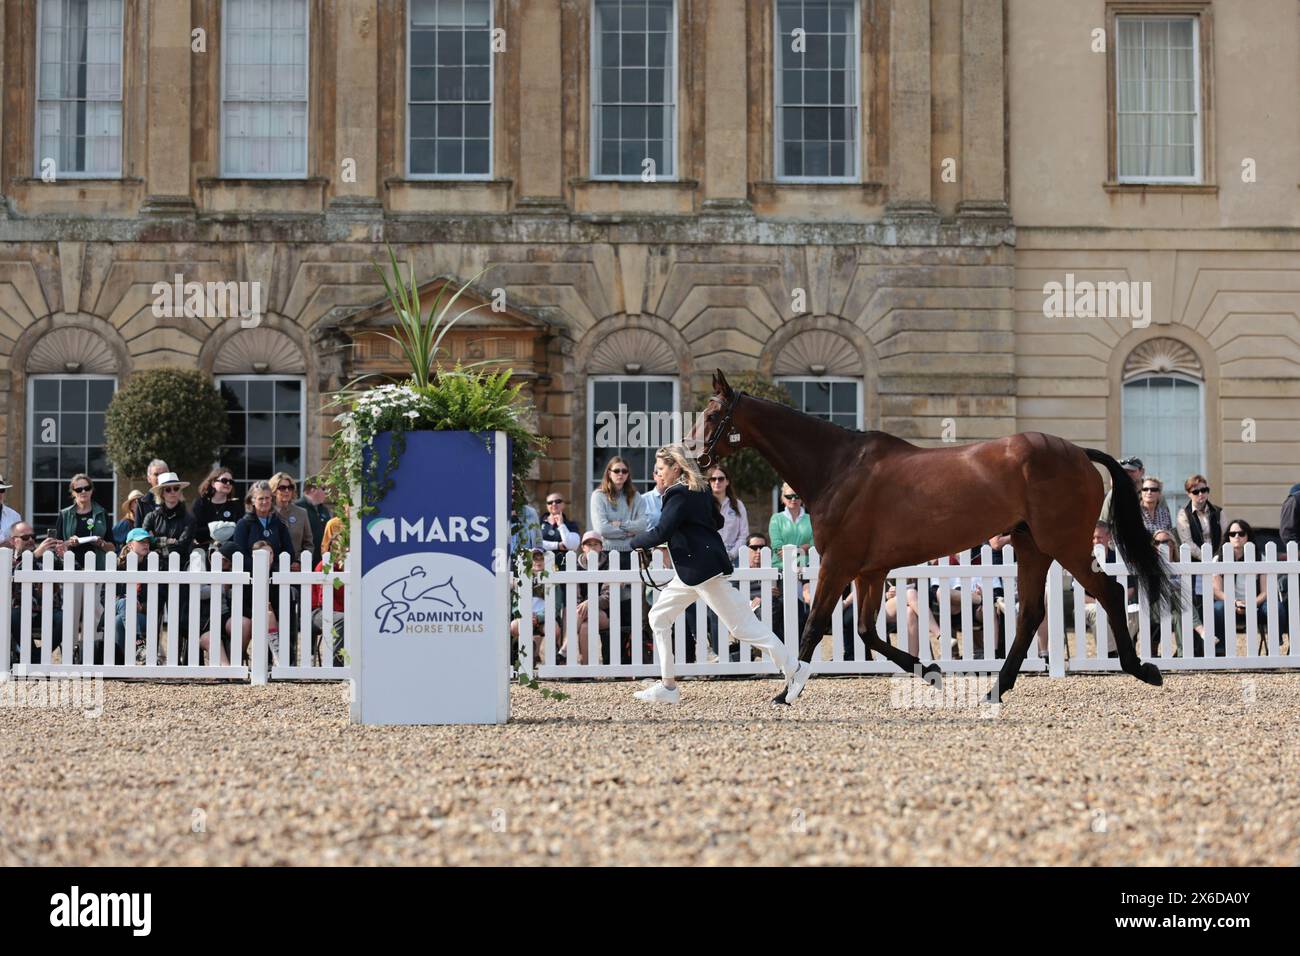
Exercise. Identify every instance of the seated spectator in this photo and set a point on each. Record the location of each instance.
(956, 586)
(126, 517)
(1155, 513)
(84, 526)
(293, 517)
(791, 525)
(333, 528)
(23, 539)
(335, 642)
(617, 511)
(1238, 535)
(559, 534)
(756, 542)
(538, 608)
(261, 524)
(318, 514)
(1199, 521)
(217, 506)
(138, 542)
(735, 519)
(8, 517)
(593, 553)
(170, 525)
(147, 502)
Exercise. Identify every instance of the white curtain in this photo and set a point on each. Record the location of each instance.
(1163, 427)
(1156, 109)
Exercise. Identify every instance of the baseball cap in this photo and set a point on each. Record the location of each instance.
(592, 536)
(138, 534)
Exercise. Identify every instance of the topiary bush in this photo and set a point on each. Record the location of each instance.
(177, 415)
(751, 475)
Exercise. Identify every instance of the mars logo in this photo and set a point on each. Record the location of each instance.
(458, 528)
(416, 604)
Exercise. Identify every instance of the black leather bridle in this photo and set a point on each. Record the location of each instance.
(724, 425)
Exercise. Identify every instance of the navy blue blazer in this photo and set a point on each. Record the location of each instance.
(249, 530)
(689, 523)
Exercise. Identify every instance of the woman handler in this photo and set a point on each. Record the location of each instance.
(689, 523)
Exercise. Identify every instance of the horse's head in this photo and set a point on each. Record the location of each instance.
(715, 431)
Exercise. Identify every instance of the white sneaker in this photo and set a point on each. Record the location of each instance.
(794, 686)
(657, 693)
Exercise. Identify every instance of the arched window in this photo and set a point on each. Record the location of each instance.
(71, 377)
(262, 378)
(1163, 403)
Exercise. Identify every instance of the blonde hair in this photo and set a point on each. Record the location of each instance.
(677, 455)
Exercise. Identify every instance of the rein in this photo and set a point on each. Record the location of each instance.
(643, 560)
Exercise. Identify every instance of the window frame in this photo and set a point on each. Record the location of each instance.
(593, 86)
(590, 483)
(1197, 176)
(302, 415)
(1171, 482)
(778, 121)
(29, 480)
(859, 410)
(121, 102)
(222, 171)
(492, 110)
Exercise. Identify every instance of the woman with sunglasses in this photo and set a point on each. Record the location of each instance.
(216, 502)
(689, 525)
(617, 511)
(293, 517)
(792, 525)
(1240, 534)
(85, 526)
(1155, 513)
(170, 523)
(1199, 522)
(559, 534)
(735, 519)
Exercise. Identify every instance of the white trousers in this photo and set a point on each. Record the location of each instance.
(733, 611)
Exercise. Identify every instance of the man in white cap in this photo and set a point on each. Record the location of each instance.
(8, 517)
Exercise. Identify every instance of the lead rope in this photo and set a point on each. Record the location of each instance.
(643, 559)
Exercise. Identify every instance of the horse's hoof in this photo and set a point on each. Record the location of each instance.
(935, 681)
(780, 698)
(1150, 674)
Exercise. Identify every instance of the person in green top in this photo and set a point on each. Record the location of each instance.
(84, 526)
(790, 526)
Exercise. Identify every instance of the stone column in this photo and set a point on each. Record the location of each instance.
(983, 126)
(356, 110)
(167, 71)
(910, 157)
(726, 88)
(537, 44)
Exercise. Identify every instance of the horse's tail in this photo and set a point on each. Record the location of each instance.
(1132, 540)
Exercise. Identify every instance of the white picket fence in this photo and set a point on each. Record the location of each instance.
(76, 608)
(964, 624)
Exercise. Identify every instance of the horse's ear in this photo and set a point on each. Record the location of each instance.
(720, 386)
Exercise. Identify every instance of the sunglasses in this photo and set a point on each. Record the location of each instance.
(284, 488)
(756, 545)
(1200, 491)
(718, 478)
(618, 471)
(172, 490)
(24, 537)
(1236, 534)
(223, 481)
(83, 490)
(556, 501)
(790, 497)
(1152, 490)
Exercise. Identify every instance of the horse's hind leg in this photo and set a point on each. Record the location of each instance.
(871, 587)
(1110, 595)
(1031, 577)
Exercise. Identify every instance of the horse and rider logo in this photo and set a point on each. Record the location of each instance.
(410, 593)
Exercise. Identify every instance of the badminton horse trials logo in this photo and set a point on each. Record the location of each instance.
(381, 529)
(415, 604)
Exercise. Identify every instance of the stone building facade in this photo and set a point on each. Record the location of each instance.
(883, 247)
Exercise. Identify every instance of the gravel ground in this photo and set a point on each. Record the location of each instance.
(1094, 770)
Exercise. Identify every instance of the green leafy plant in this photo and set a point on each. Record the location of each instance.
(750, 473)
(173, 414)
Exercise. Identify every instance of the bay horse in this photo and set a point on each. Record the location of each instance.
(878, 502)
